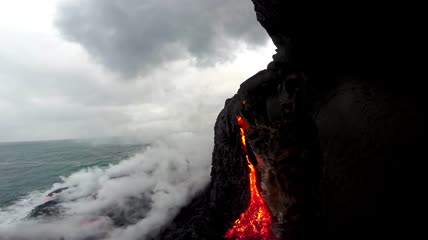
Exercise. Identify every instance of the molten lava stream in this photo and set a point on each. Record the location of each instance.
(255, 222)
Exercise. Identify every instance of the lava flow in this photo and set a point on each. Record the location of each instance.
(255, 222)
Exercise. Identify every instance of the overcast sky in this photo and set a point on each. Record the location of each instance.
(99, 68)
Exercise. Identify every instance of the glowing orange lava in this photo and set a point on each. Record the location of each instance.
(255, 222)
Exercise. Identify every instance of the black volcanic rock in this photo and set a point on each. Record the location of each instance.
(47, 209)
(284, 146)
(338, 125)
(59, 190)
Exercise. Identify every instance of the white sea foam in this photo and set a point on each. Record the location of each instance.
(13, 214)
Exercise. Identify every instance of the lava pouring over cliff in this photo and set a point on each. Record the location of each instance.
(255, 222)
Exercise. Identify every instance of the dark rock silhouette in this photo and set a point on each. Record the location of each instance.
(47, 209)
(59, 190)
(337, 127)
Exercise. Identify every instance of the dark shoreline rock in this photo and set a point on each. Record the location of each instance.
(47, 209)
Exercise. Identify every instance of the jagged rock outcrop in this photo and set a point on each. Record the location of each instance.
(337, 128)
(46, 209)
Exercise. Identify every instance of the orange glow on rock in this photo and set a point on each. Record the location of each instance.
(255, 222)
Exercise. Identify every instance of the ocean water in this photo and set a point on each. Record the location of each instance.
(26, 167)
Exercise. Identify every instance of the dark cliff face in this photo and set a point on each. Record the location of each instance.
(282, 144)
(367, 100)
(337, 126)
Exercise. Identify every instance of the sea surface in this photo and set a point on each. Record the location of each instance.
(26, 167)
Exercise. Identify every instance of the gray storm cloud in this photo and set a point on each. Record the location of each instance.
(134, 36)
